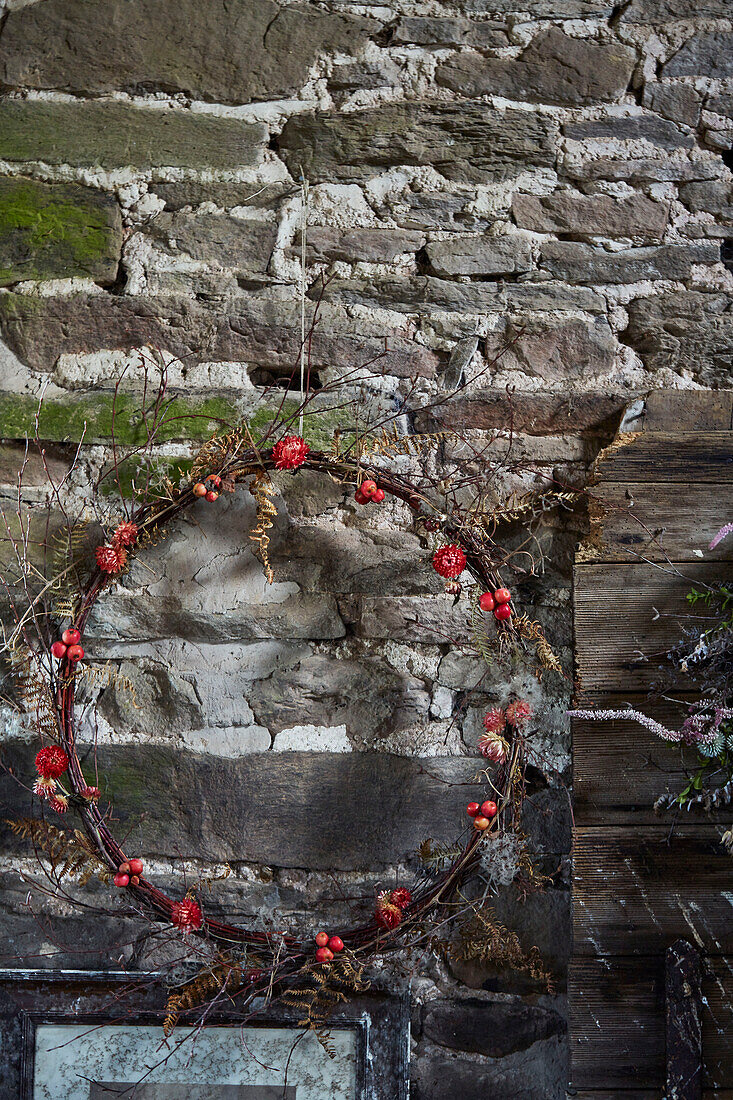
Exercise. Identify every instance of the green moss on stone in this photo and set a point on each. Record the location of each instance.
(319, 427)
(57, 231)
(132, 475)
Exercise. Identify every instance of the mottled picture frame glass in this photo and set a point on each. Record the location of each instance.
(93, 1034)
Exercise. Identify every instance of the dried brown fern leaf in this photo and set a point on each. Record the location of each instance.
(484, 939)
(390, 443)
(437, 856)
(34, 694)
(227, 976)
(262, 490)
(68, 853)
(532, 632)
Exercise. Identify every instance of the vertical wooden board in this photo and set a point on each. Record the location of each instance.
(624, 613)
(637, 889)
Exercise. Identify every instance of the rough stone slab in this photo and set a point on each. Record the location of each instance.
(709, 53)
(642, 169)
(548, 9)
(691, 331)
(465, 141)
(492, 1028)
(589, 411)
(40, 330)
(217, 240)
(575, 351)
(554, 68)
(325, 244)
(584, 264)
(639, 127)
(425, 210)
(417, 294)
(352, 76)
(573, 212)
(226, 195)
(329, 811)
(57, 231)
(713, 196)
(661, 11)
(536, 1074)
(115, 135)
(678, 102)
(219, 51)
(721, 104)
(480, 256)
(432, 31)
(553, 297)
(430, 619)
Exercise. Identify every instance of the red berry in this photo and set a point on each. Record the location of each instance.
(74, 653)
(378, 496)
(121, 880)
(71, 636)
(59, 650)
(199, 489)
(473, 809)
(502, 595)
(323, 955)
(360, 498)
(124, 868)
(322, 939)
(481, 823)
(136, 866)
(488, 809)
(215, 480)
(211, 496)
(486, 601)
(449, 561)
(336, 944)
(135, 880)
(503, 612)
(369, 488)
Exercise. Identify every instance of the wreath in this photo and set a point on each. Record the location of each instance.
(255, 965)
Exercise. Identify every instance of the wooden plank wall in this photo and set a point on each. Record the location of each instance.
(661, 491)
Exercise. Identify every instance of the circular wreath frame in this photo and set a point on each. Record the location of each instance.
(368, 939)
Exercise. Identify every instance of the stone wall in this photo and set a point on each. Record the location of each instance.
(544, 178)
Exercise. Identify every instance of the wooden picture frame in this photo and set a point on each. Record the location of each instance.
(32, 998)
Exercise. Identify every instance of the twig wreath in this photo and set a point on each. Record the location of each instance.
(46, 650)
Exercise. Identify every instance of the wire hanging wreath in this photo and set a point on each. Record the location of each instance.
(314, 973)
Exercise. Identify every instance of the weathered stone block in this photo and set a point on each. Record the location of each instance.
(712, 196)
(641, 169)
(221, 51)
(480, 256)
(602, 215)
(39, 330)
(417, 294)
(56, 231)
(536, 1074)
(466, 141)
(721, 104)
(548, 9)
(591, 411)
(691, 331)
(709, 53)
(492, 1028)
(194, 192)
(584, 264)
(552, 297)
(639, 127)
(554, 68)
(325, 244)
(330, 811)
(351, 76)
(432, 31)
(653, 11)
(217, 240)
(678, 102)
(115, 135)
(576, 351)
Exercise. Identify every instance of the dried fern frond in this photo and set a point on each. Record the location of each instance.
(436, 856)
(324, 988)
(68, 853)
(107, 675)
(34, 694)
(262, 490)
(519, 506)
(532, 631)
(227, 976)
(484, 939)
(390, 443)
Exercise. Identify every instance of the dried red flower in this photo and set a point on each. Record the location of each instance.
(125, 534)
(518, 712)
(493, 747)
(449, 561)
(495, 720)
(59, 803)
(186, 915)
(388, 916)
(111, 559)
(44, 788)
(51, 761)
(290, 452)
(92, 794)
(401, 897)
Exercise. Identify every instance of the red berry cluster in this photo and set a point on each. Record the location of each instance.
(208, 488)
(290, 453)
(498, 602)
(327, 946)
(369, 493)
(68, 647)
(481, 814)
(129, 872)
(449, 561)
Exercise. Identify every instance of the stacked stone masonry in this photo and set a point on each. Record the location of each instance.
(531, 198)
